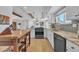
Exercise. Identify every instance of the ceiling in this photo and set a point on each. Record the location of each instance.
(55, 9)
(36, 11)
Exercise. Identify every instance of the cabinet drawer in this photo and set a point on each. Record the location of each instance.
(72, 47)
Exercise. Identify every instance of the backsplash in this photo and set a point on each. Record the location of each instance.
(69, 28)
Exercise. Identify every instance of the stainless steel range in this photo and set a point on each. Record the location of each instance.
(39, 32)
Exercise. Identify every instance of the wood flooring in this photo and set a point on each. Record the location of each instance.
(40, 45)
(3, 48)
(37, 45)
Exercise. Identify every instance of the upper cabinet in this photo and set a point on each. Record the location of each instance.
(72, 12)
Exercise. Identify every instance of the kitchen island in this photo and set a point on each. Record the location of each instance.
(19, 40)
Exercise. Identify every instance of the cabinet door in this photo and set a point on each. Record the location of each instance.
(33, 33)
(71, 47)
(45, 33)
(71, 12)
(50, 38)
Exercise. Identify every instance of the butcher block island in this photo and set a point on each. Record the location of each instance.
(18, 41)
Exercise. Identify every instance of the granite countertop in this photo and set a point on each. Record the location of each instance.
(68, 35)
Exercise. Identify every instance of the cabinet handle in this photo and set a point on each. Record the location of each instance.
(66, 49)
(77, 15)
(72, 47)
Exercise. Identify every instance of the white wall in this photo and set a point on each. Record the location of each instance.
(5, 10)
(23, 20)
(50, 19)
(24, 23)
(51, 16)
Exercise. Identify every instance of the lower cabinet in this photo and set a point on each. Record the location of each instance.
(71, 47)
(50, 37)
(45, 33)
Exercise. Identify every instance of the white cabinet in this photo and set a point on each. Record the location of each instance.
(72, 13)
(45, 33)
(50, 37)
(71, 47)
(33, 33)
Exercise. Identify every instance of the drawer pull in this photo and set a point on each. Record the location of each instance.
(72, 47)
(66, 49)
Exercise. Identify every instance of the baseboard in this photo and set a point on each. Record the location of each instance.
(38, 38)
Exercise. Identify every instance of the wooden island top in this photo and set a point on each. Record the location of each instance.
(16, 34)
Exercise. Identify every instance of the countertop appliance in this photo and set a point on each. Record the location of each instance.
(59, 43)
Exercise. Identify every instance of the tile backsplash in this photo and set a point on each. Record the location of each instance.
(69, 28)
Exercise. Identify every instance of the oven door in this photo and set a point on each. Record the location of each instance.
(39, 33)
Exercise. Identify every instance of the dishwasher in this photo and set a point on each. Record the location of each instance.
(59, 43)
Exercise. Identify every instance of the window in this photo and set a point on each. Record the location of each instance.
(61, 18)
